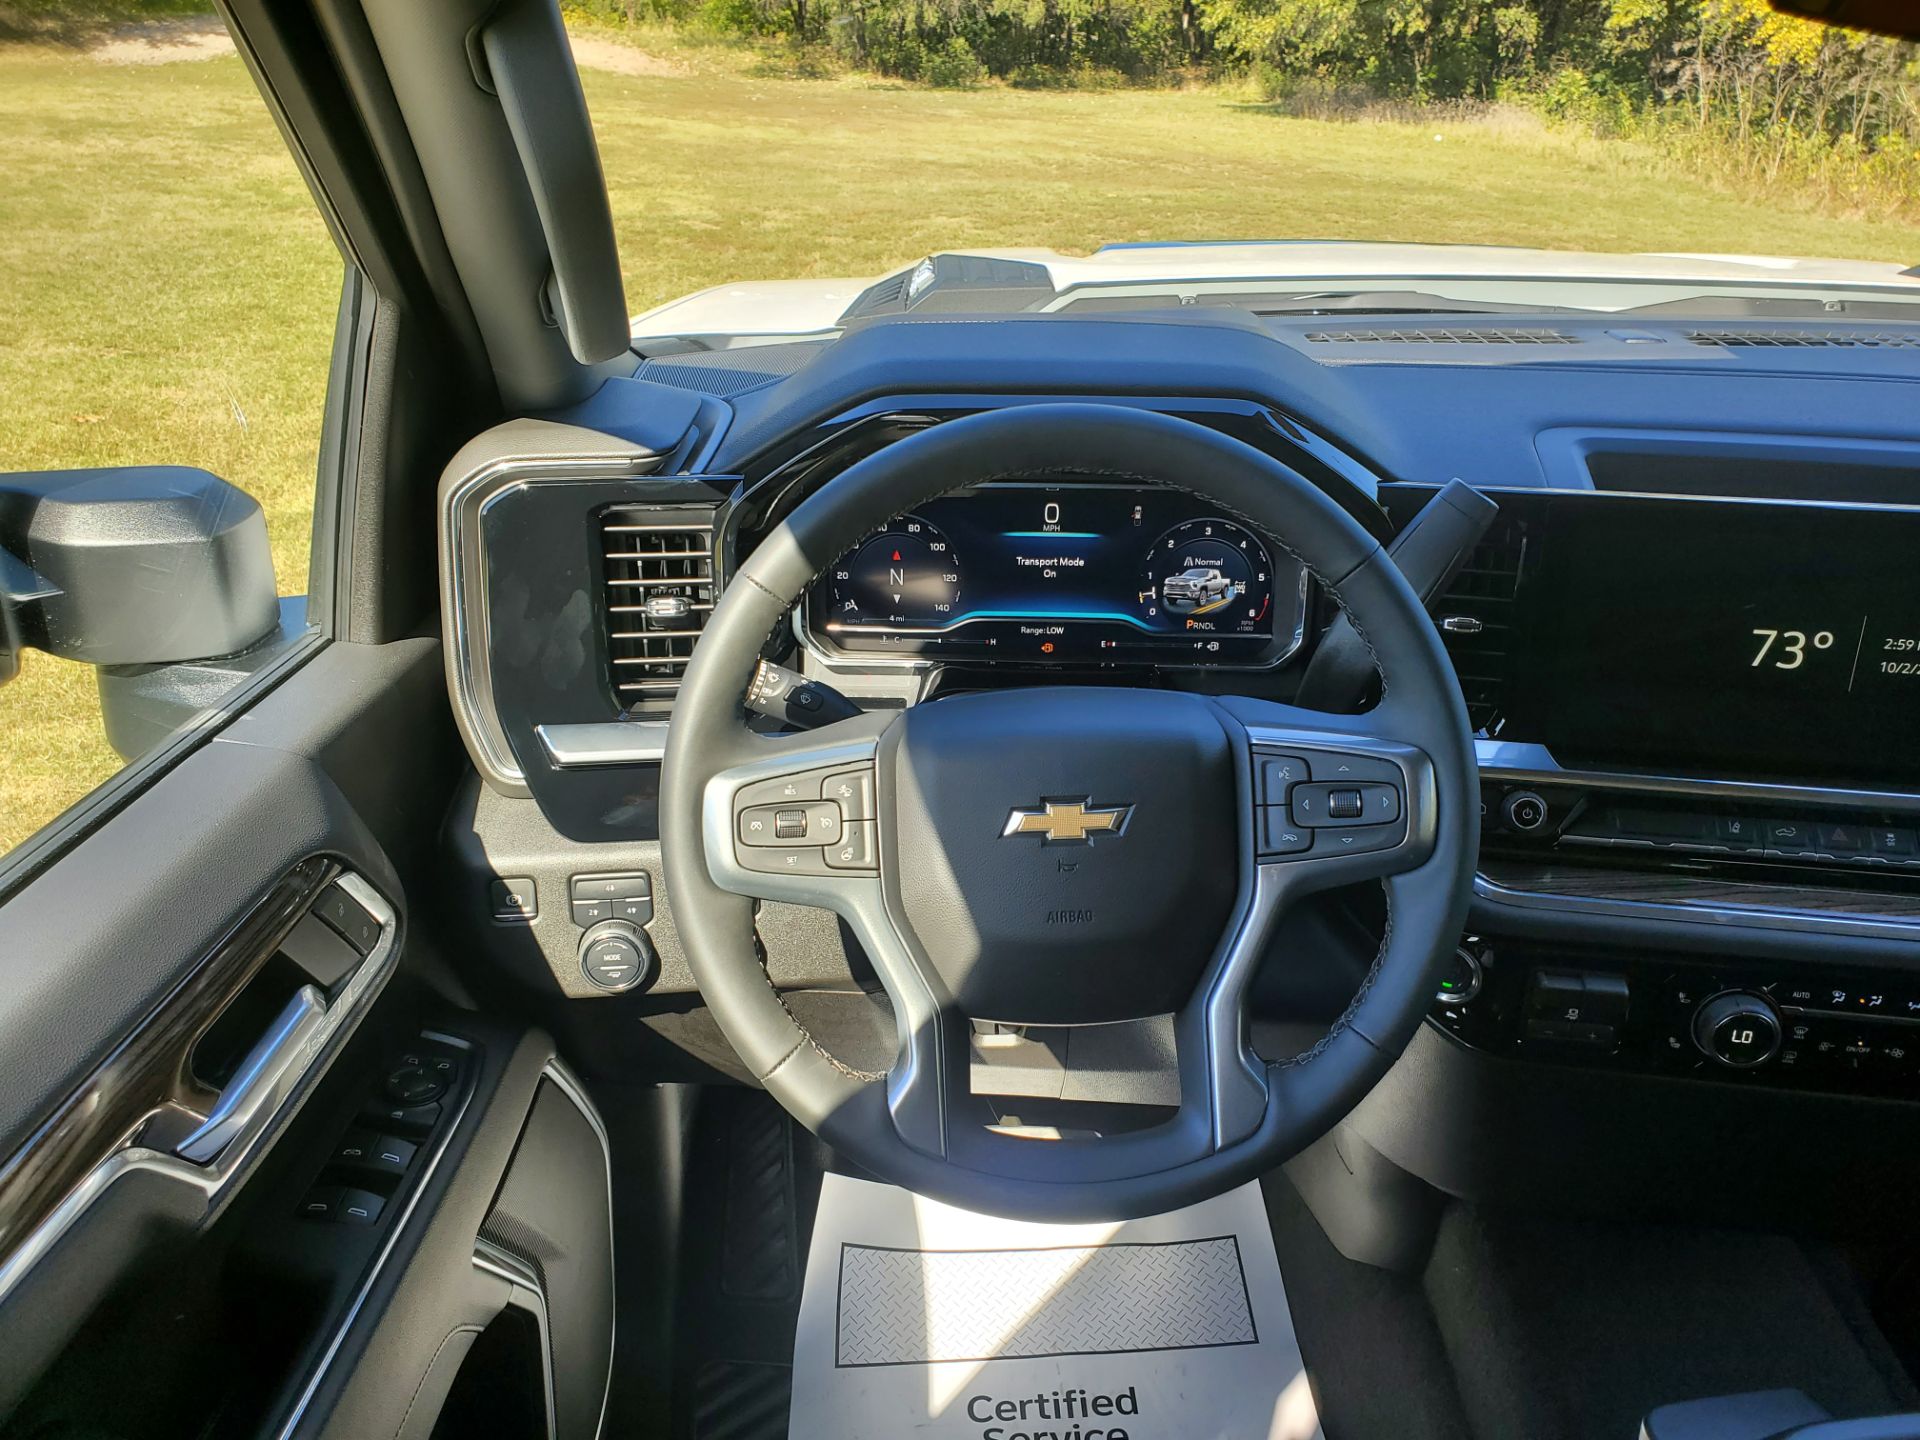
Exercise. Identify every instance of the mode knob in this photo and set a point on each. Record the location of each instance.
(616, 955)
(1737, 1028)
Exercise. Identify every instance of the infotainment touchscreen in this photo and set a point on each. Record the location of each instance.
(1766, 639)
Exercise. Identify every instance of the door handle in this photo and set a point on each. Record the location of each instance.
(273, 1068)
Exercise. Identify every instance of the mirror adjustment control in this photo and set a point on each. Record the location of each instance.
(414, 1084)
(616, 955)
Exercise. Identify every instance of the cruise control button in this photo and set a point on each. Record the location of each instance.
(783, 789)
(855, 850)
(814, 822)
(769, 860)
(852, 791)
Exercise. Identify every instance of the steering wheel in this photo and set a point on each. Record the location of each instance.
(1069, 855)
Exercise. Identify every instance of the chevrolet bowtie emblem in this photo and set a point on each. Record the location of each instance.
(1068, 822)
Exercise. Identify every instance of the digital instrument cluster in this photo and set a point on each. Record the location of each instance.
(1044, 571)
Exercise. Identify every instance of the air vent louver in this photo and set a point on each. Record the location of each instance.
(1476, 621)
(1805, 339)
(1477, 336)
(659, 592)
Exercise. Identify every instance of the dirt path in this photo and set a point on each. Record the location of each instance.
(202, 37)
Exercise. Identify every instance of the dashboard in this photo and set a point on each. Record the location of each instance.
(1041, 570)
(1689, 643)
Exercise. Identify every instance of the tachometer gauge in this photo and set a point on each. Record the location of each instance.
(904, 573)
(1207, 575)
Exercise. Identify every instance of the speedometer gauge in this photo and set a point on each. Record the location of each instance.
(903, 574)
(1207, 576)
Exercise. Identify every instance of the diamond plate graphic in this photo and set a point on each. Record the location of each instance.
(915, 1307)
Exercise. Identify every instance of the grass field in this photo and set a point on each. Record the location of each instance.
(167, 289)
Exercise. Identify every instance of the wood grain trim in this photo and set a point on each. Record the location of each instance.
(1647, 887)
(145, 1072)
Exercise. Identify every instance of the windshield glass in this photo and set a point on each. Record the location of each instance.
(782, 169)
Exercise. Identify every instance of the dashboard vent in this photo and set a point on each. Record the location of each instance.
(1806, 339)
(1476, 617)
(659, 592)
(1442, 337)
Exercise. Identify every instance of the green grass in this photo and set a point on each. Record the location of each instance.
(167, 290)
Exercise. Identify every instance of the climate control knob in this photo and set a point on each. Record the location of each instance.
(1737, 1028)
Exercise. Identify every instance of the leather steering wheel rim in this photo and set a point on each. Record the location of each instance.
(1420, 720)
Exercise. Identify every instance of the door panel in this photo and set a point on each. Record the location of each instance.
(234, 944)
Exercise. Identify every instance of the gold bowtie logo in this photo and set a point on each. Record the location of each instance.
(1068, 822)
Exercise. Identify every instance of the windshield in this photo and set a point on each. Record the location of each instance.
(788, 169)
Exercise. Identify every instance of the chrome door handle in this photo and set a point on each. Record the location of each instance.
(274, 1067)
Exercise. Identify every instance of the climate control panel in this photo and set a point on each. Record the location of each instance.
(1756, 1022)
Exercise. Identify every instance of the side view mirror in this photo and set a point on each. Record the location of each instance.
(133, 568)
(1889, 17)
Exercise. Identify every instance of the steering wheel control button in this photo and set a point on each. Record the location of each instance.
(616, 955)
(1357, 839)
(515, 900)
(783, 860)
(1738, 1029)
(1278, 774)
(781, 790)
(813, 822)
(856, 848)
(1328, 804)
(852, 791)
(1345, 769)
(1278, 835)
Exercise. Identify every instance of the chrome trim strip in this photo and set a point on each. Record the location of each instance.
(463, 585)
(387, 1246)
(1534, 764)
(238, 1158)
(1720, 917)
(606, 742)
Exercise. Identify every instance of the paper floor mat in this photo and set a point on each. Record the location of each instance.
(921, 1320)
